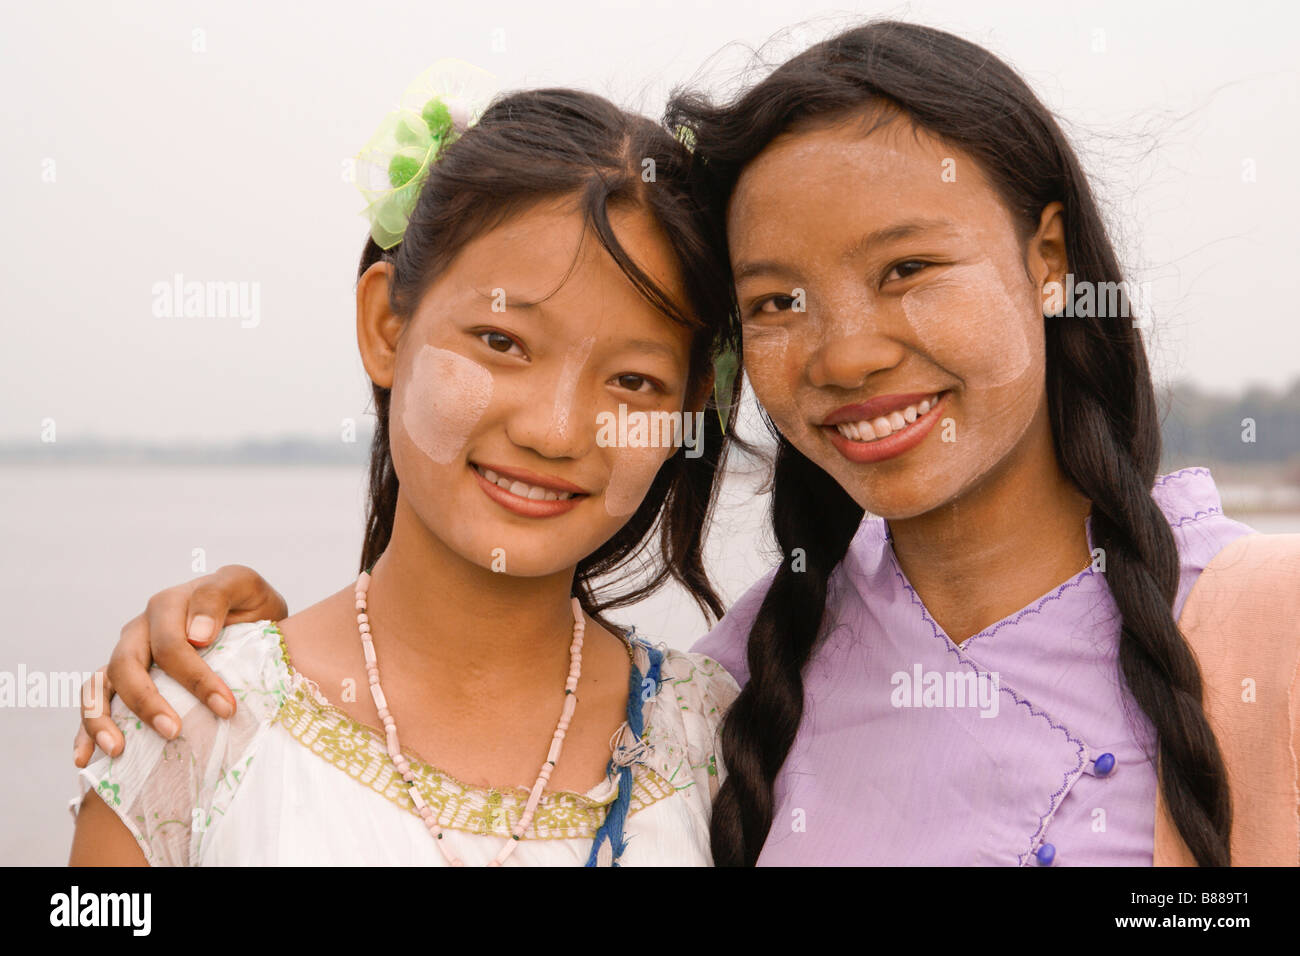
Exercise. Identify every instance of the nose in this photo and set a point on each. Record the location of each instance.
(554, 417)
(853, 341)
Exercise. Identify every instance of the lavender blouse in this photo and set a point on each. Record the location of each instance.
(1019, 746)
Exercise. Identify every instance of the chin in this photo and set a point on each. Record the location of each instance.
(895, 507)
(518, 553)
(902, 496)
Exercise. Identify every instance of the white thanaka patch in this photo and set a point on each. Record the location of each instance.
(766, 343)
(567, 386)
(969, 311)
(630, 478)
(766, 351)
(443, 400)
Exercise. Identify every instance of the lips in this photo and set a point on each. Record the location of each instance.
(876, 407)
(537, 488)
(887, 422)
(899, 424)
(527, 493)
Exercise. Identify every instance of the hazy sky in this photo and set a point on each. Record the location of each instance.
(147, 140)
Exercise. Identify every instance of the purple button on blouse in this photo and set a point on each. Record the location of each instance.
(917, 751)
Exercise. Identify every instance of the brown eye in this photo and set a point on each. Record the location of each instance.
(633, 383)
(499, 342)
(778, 303)
(905, 270)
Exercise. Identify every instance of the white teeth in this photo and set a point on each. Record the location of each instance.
(886, 425)
(531, 492)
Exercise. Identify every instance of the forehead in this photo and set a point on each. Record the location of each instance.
(846, 176)
(550, 251)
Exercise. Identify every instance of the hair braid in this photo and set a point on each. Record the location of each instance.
(1108, 444)
(810, 511)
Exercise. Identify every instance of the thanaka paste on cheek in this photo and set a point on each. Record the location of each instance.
(765, 345)
(443, 400)
(766, 355)
(630, 478)
(969, 321)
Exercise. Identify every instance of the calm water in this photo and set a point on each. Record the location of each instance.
(81, 548)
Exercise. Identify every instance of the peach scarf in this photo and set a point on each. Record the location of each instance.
(1242, 620)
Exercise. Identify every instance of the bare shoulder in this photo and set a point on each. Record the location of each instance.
(606, 665)
(318, 637)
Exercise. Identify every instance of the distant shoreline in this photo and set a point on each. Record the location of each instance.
(1247, 488)
(277, 452)
(271, 452)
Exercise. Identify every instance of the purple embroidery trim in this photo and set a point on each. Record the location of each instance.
(1034, 608)
(1070, 775)
(1200, 514)
(1180, 473)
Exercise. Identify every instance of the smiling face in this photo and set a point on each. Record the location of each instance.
(500, 375)
(871, 280)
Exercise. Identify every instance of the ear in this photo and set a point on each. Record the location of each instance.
(378, 327)
(698, 395)
(1047, 261)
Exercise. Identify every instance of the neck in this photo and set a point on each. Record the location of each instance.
(1001, 544)
(439, 614)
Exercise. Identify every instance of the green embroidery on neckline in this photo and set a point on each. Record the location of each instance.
(362, 753)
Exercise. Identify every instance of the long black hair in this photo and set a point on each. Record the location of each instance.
(535, 145)
(1104, 415)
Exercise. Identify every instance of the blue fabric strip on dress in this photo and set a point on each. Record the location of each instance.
(638, 685)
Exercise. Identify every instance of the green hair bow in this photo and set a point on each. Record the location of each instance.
(444, 101)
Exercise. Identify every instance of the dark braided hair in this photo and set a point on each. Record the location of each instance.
(1104, 418)
(536, 145)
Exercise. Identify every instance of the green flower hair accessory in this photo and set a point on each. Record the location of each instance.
(725, 367)
(444, 101)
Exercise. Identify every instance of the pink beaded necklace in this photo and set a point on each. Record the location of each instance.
(404, 766)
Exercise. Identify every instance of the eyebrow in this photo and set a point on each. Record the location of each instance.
(901, 230)
(650, 345)
(511, 301)
(638, 345)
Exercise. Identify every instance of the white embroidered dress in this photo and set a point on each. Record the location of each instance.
(292, 780)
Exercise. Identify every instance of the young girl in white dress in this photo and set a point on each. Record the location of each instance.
(464, 701)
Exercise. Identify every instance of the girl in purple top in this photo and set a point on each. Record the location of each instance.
(905, 219)
(1012, 746)
(986, 670)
